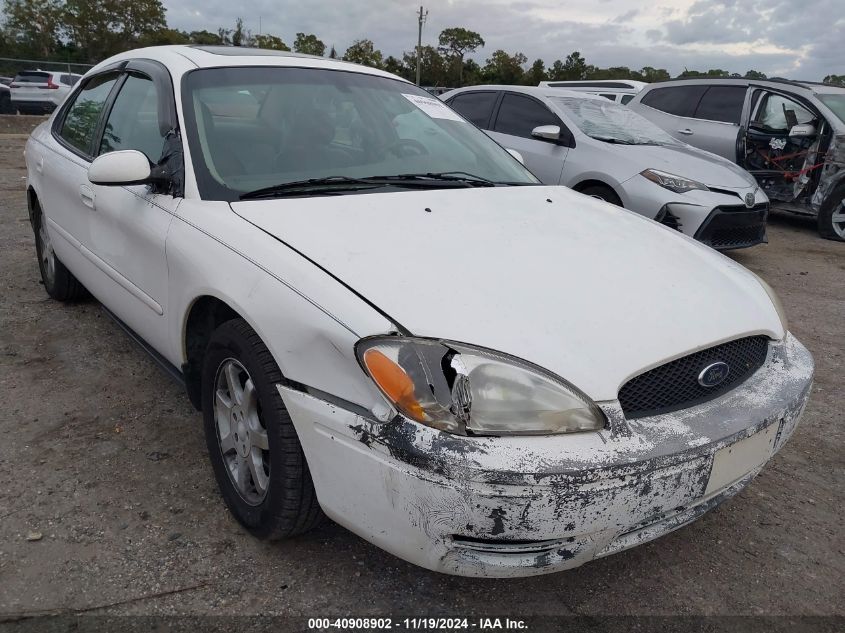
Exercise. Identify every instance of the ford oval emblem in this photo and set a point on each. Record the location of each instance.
(714, 374)
(749, 200)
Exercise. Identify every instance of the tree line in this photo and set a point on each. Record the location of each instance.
(88, 31)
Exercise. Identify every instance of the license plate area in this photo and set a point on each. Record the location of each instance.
(733, 462)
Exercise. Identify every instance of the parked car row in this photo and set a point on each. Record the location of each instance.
(387, 319)
(789, 135)
(604, 149)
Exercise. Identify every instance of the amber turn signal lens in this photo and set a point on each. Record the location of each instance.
(395, 383)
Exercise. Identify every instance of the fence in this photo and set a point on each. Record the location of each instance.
(9, 66)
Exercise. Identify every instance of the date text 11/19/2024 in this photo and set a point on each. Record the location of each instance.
(416, 624)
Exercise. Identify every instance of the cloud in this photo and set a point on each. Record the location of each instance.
(774, 36)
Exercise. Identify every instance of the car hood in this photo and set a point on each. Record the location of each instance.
(689, 162)
(587, 290)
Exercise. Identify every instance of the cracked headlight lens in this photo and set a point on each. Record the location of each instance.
(462, 389)
(678, 184)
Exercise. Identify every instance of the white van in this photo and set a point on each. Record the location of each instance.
(619, 90)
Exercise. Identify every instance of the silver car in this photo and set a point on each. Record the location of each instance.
(603, 149)
(790, 135)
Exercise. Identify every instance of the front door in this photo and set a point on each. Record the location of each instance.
(783, 162)
(129, 224)
(517, 116)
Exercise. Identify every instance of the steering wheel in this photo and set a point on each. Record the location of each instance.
(406, 147)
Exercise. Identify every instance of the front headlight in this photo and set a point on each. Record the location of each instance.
(678, 184)
(461, 389)
(775, 301)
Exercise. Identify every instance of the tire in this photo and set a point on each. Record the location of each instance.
(58, 281)
(275, 498)
(832, 215)
(6, 104)
(602, 193)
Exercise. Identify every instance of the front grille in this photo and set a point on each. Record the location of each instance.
(675, 385)
(734, 227)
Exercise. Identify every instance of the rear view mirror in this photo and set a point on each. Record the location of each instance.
(124, 167)
(802, 130)
(547, 132)
(516, 155)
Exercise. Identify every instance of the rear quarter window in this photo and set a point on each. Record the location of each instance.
(677, 100)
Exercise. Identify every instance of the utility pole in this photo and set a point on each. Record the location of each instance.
(422, 15)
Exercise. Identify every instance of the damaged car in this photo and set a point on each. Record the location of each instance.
(605, 150)
(789, 134)
(386, 319)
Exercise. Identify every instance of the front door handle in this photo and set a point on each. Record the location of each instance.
(686, 131)
(87, 195)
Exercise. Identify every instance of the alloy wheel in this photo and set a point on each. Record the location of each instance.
(241, 436)
(48, 257)
(837, 220)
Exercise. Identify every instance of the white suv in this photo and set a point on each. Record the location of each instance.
(40, 91)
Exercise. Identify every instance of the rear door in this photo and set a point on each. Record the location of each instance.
(716, 120)
(516, 117)
(67, 196)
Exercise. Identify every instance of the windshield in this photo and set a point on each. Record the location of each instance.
(612, 122)
(250, 128)
(835, 102)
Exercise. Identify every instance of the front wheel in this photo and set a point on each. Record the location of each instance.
(602, 193)
(832, 215)
(254, 449)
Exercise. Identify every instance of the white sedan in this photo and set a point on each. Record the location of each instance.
(606, 150)
(386, 319)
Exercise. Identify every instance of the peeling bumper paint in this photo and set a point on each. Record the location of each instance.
(519, 506)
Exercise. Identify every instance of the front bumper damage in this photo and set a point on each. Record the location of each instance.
(719, 217)
(520, 506)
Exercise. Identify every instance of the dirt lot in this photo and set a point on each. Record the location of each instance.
(104, 457)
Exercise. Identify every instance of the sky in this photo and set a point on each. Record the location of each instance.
(788, 38)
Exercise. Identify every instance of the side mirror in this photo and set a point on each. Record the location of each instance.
(802, 130)
(124, 167)
(547, 132)
(516, 155)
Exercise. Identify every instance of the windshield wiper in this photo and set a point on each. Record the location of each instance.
(296, 187)
(613, 140)
(338, 184)
(462, 177)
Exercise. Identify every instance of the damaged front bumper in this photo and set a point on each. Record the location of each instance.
(519, 506)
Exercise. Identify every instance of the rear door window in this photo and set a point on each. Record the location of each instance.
(519, 115)
(475, 106)
(133, 120)
(80, 123)
(677, 100)
(721, 103)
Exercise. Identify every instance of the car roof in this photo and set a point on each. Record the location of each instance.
(534, 91)
(224, 56)
(802, 87)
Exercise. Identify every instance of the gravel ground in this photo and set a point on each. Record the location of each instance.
(103, 456)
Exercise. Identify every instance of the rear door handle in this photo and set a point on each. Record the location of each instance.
(87, 195)
(686, 131)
